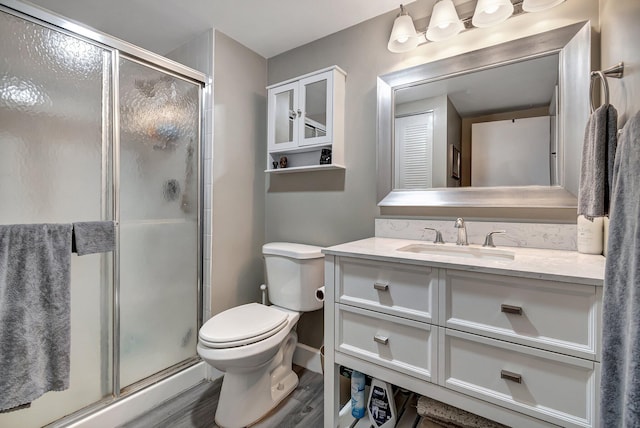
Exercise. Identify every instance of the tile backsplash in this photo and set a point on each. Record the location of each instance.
(532, 235)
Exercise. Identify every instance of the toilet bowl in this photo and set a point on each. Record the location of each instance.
(253, 344)
(258, 374)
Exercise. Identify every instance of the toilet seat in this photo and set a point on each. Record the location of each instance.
(242, 325)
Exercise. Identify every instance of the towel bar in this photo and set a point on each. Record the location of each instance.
(616, 71)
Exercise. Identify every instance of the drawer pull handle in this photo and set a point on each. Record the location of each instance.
(380, 286)
(383, 340)
(513, 377)
(508, 309)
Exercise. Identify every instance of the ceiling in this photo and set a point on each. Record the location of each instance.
(268, 27)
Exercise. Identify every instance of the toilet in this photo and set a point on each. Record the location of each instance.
(253, 344)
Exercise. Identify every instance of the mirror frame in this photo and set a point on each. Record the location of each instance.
(572, 74)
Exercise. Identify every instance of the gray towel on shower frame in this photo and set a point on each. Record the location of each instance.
(93, 237)
(620, 379)
(598, 153)
(35, 261)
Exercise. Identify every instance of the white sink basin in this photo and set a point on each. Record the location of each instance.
(472, 252)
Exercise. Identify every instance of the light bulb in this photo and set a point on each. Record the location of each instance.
(402, 39)
(443, 25)
(492, 9)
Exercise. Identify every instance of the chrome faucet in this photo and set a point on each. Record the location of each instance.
(488, 240)
(462, 232)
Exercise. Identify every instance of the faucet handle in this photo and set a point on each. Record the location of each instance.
(488, 240)
(438, 239)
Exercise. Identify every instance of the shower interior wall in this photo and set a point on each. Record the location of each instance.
(235, 124)
(198, 54)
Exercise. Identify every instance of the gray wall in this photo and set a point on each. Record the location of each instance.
(329, 208)
(239, 150)
(326, 208)
(620, 25)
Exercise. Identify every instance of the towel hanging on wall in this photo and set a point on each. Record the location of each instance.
(598, 154)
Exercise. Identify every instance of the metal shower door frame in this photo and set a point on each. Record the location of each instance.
(119, 48)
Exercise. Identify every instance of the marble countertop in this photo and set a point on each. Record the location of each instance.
(556, 265)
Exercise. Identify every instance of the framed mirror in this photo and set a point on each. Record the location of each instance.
(497, 127)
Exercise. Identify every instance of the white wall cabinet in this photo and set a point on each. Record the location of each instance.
(522, 351)
(305, 116)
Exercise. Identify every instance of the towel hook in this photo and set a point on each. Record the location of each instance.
(616, 71)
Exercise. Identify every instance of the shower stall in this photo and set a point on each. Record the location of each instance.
(92, 128)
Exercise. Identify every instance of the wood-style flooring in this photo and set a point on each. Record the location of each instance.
(196, 407)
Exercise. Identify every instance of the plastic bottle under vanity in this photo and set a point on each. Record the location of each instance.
(358, 382)
(590, 235)
(381, 406)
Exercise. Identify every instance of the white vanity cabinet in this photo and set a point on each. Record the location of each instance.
(520, 348)
(529, 345)
(305, 116)
(552, 315)
(384, 315)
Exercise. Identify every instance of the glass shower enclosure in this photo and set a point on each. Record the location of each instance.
(90, 132)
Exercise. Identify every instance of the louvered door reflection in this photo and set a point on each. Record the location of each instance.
(414, 151)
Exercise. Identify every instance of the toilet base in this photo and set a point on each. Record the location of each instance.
(247, 396)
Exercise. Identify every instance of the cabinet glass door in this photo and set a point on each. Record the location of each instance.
(316, 102)
(284, 123)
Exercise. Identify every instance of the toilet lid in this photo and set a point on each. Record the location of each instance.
(242, 325)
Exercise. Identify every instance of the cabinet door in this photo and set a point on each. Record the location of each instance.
(316, 104)
(283, 117)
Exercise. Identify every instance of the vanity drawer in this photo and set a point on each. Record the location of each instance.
(549, 386)
(555, 316)
(405, 290)
(401, 344)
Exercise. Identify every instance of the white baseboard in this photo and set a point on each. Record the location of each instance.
(142, 401)
(307, 357)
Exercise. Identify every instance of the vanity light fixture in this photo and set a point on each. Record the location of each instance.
(539, 5)
(491, 12)
(444, 22)
(403, 35)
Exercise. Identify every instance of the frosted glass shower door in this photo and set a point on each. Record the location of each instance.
(55, 163)
(159, 135)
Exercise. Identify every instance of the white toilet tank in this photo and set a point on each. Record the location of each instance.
(294, 273)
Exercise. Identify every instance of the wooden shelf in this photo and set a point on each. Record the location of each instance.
(305, 168)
